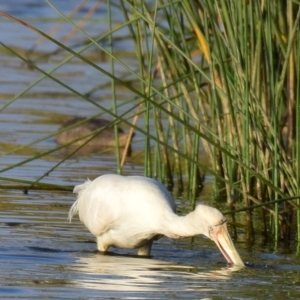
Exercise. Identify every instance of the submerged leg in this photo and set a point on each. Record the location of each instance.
(145, 250)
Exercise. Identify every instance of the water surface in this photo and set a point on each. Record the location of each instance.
(41, 255)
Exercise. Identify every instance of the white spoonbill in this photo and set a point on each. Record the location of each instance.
(133, 211)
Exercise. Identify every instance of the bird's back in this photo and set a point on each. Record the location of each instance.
(128, 203)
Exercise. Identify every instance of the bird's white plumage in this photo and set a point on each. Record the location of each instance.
(131, 212)
(123, 211)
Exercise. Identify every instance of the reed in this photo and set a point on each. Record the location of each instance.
(221, 74)
(232, 71)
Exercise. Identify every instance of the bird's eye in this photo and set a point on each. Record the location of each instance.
(210, 228)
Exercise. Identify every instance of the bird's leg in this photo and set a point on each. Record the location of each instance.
(145, 250)
(102, 247)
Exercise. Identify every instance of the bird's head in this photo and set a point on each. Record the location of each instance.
(213, 225)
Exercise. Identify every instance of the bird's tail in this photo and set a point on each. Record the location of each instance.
(78, 189)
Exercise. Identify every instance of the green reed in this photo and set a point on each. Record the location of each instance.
(217, 74)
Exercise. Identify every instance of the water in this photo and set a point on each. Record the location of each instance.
(43, 256)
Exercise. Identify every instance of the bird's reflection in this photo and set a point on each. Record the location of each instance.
(126, 273)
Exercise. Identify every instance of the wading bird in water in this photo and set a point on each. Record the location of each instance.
(133, 211)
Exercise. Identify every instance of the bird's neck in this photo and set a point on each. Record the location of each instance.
(182, 226)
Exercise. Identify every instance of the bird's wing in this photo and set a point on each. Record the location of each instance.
(112, 201)
(154, 191)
